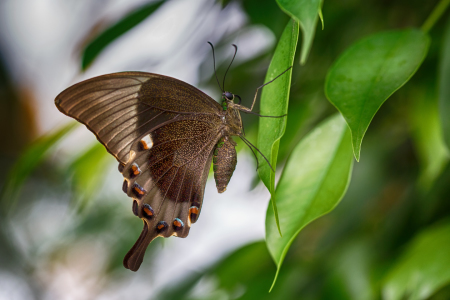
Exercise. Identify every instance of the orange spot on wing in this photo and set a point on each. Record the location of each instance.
(193, 214)
(144, 145)
(148, 211)
(135, 170)
(138, 190)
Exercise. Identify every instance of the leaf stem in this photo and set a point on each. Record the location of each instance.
(435, 15)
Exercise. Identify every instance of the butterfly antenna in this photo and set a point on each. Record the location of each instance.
(214, 61)
(235, 51)
(256, 94)
(250, 144)
(276, 77)
(237, 96)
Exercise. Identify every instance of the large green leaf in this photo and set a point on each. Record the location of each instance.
(313, 182)
(306, 13)
(105, 38)
(28, 161)
(444, 86)
(423, 268)
(369, 72)
(274, 102)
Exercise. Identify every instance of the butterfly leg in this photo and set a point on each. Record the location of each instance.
(245, 109)
(249, 111)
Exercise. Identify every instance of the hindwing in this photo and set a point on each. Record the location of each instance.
(163, 132)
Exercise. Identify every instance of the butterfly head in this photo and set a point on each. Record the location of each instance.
(228, 96)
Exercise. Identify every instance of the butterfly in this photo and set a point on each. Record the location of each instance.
(164, 133)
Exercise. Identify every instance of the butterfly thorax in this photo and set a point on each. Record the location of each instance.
(231, 118)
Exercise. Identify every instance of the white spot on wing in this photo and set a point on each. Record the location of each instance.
(147, 141)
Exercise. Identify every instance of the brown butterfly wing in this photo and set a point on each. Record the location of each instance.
(163, 132)
(120, 107)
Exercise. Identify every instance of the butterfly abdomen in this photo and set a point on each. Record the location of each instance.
(224, 162)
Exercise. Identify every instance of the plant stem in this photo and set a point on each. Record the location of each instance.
(435, 15)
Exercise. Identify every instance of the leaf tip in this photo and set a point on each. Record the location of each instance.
(279, 228)
(356, 145)
(321, 18)
(275, 279)
(302, 61)
(357, 154)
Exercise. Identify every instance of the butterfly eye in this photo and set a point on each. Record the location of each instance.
(147, 211)
(228, 95)
(161, 226)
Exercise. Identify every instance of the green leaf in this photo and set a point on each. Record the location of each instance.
(369, 72)
(274, 102)
(444, 86)
(313, 182)
(306, 13)
(131, 20)
(423, 268)
(89, 171)
(28, 161)
(427, 136)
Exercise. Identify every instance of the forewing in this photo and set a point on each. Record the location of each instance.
(166, 178)
(120, 107)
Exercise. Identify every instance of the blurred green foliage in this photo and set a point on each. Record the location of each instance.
(102, 40)
(388, 237)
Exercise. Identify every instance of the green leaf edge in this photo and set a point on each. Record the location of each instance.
(357, 145)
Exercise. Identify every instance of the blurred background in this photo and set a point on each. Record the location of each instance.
(65, 224)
